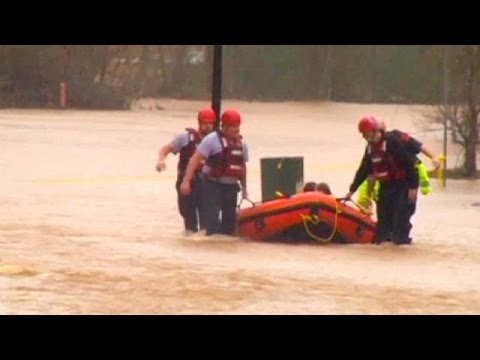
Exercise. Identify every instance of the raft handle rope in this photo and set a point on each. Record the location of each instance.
(362, 208)
(248, 200)
(313, 219)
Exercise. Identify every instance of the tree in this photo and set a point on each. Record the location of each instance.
(463, 110)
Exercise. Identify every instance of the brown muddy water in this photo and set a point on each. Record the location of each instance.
(88, 227)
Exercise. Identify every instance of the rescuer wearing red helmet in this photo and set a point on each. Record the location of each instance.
(388, 159)
(225, 154)
(186, 143)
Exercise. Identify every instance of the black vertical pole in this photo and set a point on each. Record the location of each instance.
(217, 81)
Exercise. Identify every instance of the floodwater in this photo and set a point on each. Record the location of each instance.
(88, 227)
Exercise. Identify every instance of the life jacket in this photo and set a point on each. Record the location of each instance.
(385, 166)
(424, 179)
(187, 151)
(230, 161)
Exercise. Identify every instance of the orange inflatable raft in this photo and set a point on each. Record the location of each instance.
(309, 216)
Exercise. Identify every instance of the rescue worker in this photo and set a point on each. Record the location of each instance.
(368, 191)
(388, 159)
(186, 143)
(225, 154)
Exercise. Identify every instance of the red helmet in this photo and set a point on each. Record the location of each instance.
(207, 115)
(231, 117)
(369, 123)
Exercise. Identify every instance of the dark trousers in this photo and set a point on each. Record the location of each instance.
(190, 206)
(220, 205)
(394, 212)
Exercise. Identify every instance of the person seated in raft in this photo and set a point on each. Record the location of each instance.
(320, 187)
(323, 188)
(310, 186)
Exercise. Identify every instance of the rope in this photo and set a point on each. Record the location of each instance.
(313, 219)
(248, 200)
